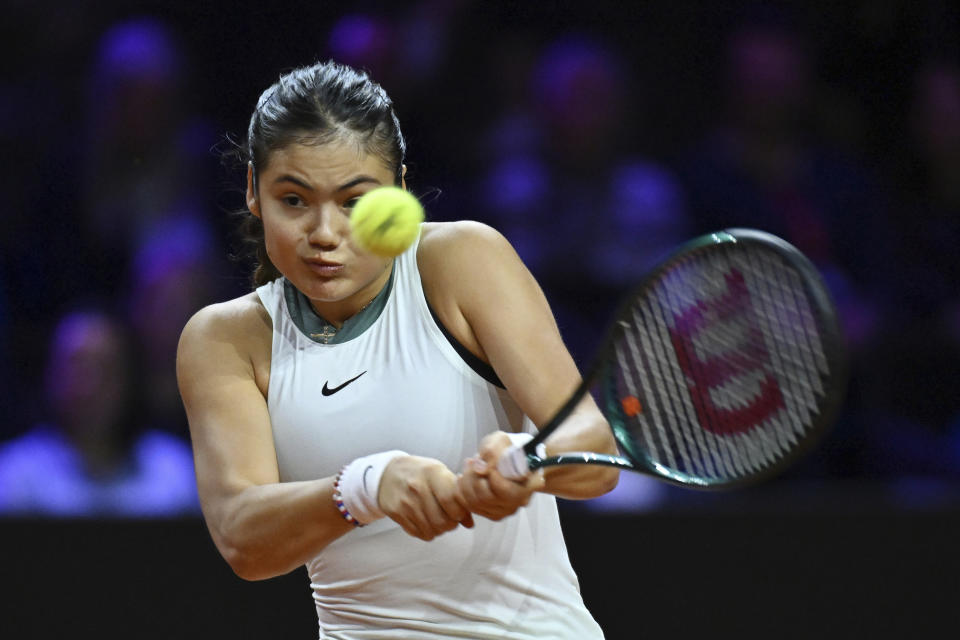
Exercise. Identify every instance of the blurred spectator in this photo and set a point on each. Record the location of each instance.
(173, 274)
(147, 155)
(567, 183)
(149, 194)
(90, 457)
(39, 223)
(102, 194)
(764, 166)
(107, 180)
(410, 50)
(914, 374)
(928, 219)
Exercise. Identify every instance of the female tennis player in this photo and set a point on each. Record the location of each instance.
(348, 414)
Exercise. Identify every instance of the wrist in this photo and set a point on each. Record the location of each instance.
(357, 487)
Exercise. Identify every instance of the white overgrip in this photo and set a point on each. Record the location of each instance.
(513, 463)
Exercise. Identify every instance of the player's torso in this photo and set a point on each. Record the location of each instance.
(398, 385)
(402, 385)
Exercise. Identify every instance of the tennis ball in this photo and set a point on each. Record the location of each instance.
(386, 220)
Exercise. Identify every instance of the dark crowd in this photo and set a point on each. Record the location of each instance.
(596, 136)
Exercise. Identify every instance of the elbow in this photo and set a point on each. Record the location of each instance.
(582, 482)
(242, 558)
(243, 565)
(608, 480)
(602, 480)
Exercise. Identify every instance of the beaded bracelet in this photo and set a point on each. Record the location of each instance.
(338, 500)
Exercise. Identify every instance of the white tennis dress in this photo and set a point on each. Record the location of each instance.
(407, 388)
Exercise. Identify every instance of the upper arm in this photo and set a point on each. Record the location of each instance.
(496, 307)
(226, 408)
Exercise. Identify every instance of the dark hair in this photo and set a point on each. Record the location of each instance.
(314, 105)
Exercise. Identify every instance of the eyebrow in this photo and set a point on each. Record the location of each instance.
(362, 179)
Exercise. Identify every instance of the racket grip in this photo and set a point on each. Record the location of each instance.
(513, 463)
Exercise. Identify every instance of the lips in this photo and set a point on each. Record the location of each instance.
(325, 268)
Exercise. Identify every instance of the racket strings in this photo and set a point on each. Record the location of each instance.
(724, 358)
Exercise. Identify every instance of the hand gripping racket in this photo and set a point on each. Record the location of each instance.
(719, 370)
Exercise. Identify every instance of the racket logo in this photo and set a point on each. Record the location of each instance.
(714, 368)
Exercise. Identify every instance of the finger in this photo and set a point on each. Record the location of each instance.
(467, 482)
(506, 490)
(480, 499)
(414, 521)
(492, 448)
(412, 528)
(536, 481)
(435, 516)
(483, 492)
(478, 465)
(487, 504)
(473, 487)
(454, 506)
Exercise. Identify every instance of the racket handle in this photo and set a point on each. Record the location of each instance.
(513, 463)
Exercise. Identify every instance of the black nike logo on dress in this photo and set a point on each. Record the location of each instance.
(327, 391)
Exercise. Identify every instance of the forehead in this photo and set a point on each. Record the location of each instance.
(327, 161)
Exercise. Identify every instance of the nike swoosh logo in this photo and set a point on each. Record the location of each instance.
(365, 475)
(327, 391)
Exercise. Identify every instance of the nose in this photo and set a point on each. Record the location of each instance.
(326, 227)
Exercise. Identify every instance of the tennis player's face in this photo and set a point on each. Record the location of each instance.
(305, 196)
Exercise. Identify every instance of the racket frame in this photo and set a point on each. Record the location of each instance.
(635, 459)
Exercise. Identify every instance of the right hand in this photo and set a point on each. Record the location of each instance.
(422, 496)
(486, 491)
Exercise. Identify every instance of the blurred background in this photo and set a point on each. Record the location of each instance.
(597, 137)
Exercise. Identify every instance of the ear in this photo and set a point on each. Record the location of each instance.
(252, 203)
(403, 177)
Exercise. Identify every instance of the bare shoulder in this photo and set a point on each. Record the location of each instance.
(234, 333)
(229, 320)
(451, 252)
(445, 239)
(464, 265)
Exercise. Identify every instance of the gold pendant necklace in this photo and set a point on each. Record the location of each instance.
(326, 335)
(329, 331)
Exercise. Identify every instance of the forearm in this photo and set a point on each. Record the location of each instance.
(584, 430)
(268, 530)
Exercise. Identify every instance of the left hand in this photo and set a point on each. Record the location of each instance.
(488, 493)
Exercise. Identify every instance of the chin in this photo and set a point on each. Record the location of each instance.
(329, 291)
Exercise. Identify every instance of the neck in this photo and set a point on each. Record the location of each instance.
(339, 311)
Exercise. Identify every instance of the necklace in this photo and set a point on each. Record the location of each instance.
(328, 332)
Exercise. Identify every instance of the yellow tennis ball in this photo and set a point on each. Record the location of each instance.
(386, 220)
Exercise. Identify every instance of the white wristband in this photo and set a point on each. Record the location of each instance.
(360, 485)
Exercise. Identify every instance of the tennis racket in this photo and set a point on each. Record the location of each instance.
(722, 367)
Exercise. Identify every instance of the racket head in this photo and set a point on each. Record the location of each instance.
(725, 364)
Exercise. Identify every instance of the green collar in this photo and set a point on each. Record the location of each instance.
(312, 324)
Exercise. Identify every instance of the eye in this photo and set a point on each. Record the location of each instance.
(350, 203)
(292, 200)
